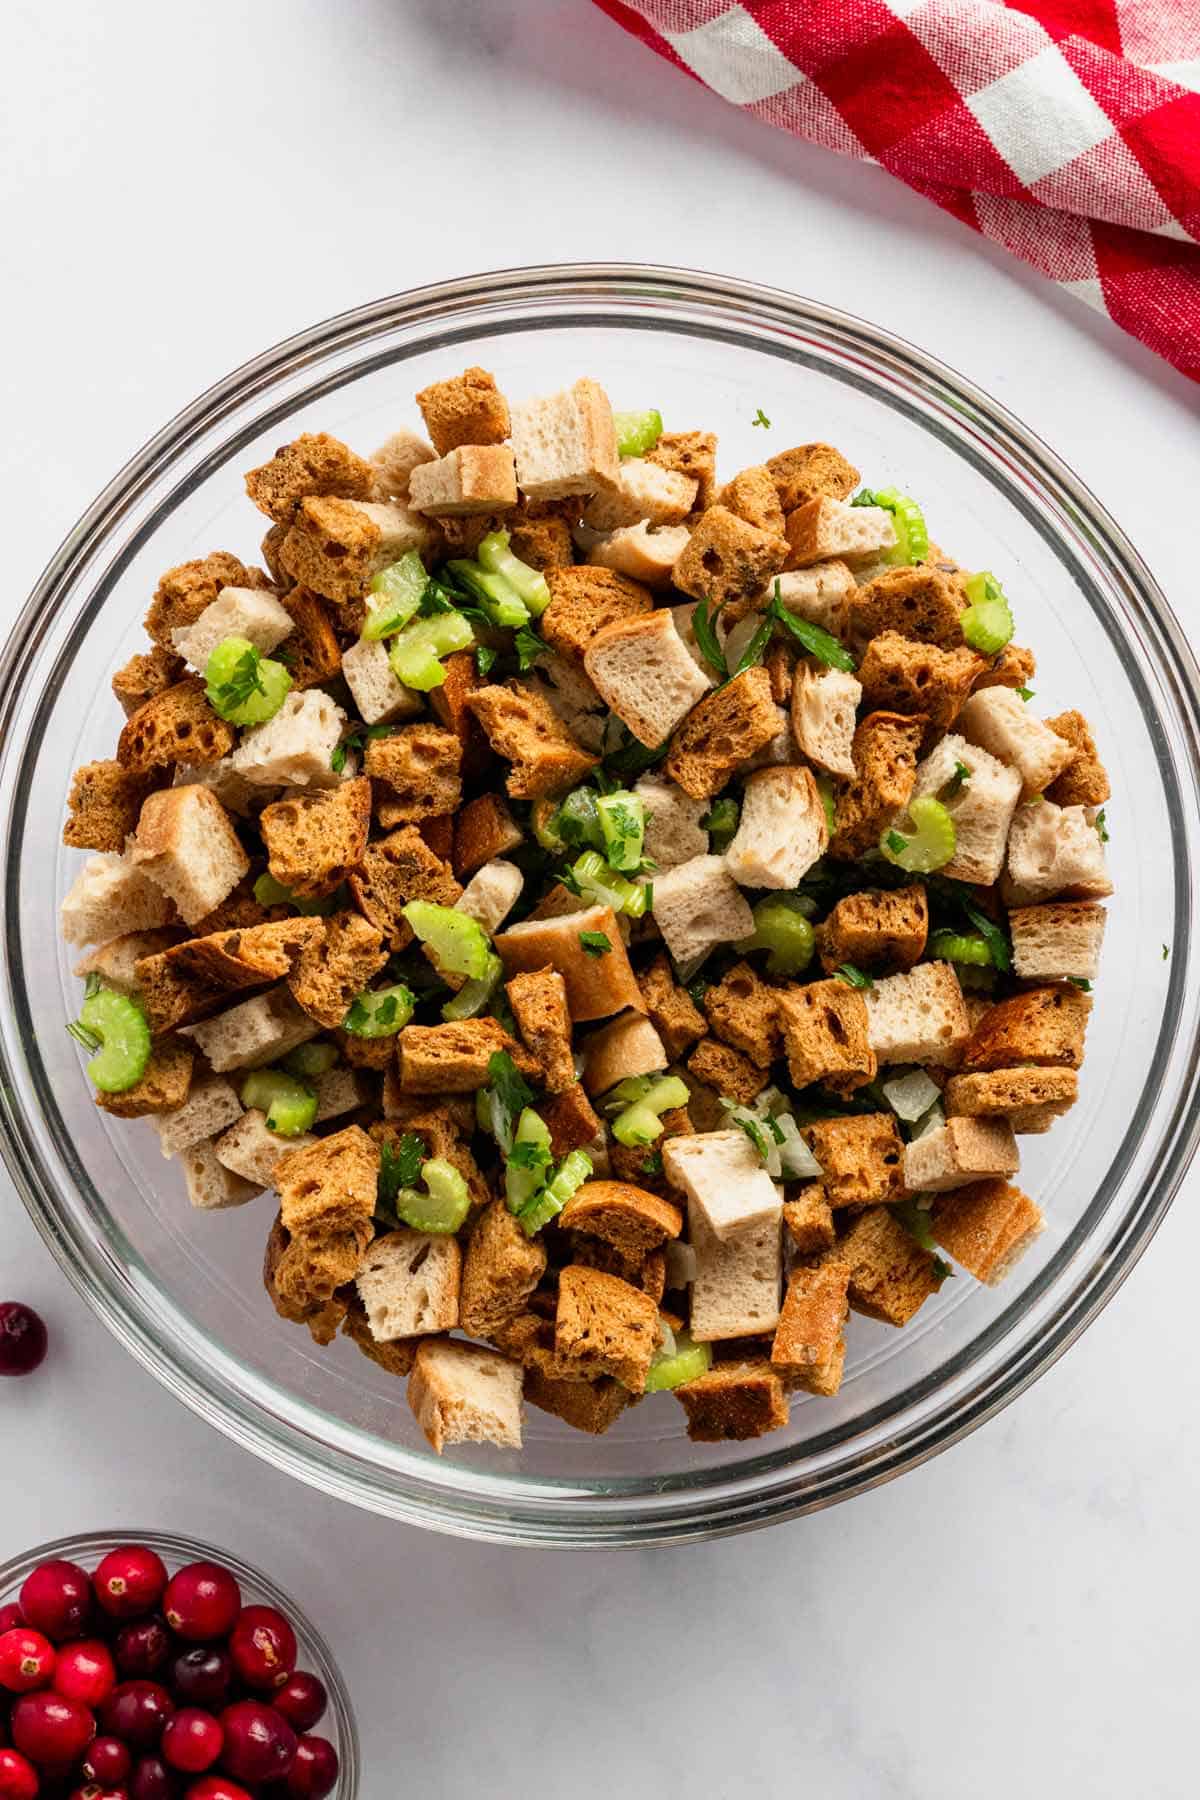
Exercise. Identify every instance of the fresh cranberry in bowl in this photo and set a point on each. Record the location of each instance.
(192, 1741)
(27, 1660)
(94, 1790)
(107, 1762)
(314, 1771)
(138, 1711)
(57, 1599)
(49, 1729)
(23, 1338)
(202, 1675)
(263, 1647)
(85, 1672)
(202, 1602)
(260, 1745)
(18, 1777)
(302, 1700)
(216, 1787)
(152, 1780)
(10, 1617)
(130, 1581)
(141, 1649)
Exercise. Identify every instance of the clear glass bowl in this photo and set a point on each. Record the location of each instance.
(89, 1547)
(183, 1289)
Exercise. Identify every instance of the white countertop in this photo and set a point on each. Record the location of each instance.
(184, 185)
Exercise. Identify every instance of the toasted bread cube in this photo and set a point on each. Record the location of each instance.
(294, 748)
(241, 957)
(1030, 1099)
(823, 529)
(752, 496)
(733, 1403)
(735, 1292)
(728, 1073)
(726, 559)
(571, 696)
(891, 1277)
(110, 897)
(336, 967)
(105, 801)
(409, 1284)
(501, 1268)
(918, 1016)
(394, 870)
(574, 1125)
(116, 961)
(177, 725)
(697, 906)
(187, 846)
(626, 1047)
(544, 543)
(394, 1359)
(782, 830)
(823, 714)
(1054, 852)
(987, 1227)
(453, 1058)
(1084, 781)
(899, 674)
(810, 471)
(644, 492)
(885, 760)
(339, 1091)
(256, 1032)
(673, 833)
(808, 1220)
(1042, 1027)
(722, 733)
(645, 553)
(330, 1185)
(420, 766)
(861, 1158)
(607, 1321)
(491, 894)
(597, 986)
(211, 1106)
(249, 613)
(583, 601)
(469, 409)
(395, 460)
(825, 1036)
(335, 546)
(743, 1011)
(566, 443)
(462, 1394)
(998, 720)
(475, 478)
(523, 728)
(920, 603)
(315, 464)
(1057, 942)
(539, 1006)
(143, 677)
(672, 1012)
(723, 1176)
(184, 592)
(252, 1151)
(236, 794)
(312, 654)
(809, 1343)
(379, 697)
(642, 669)
(959, 1151)
(162, 1086)
(878, 929)
(690, 453)
(981, 805)
(211, 1187)
(624, 1215)
(591, 1406)
(314, 840)
(483, 830)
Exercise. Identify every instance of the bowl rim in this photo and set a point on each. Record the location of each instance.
(177, 1549)
(541, 1511)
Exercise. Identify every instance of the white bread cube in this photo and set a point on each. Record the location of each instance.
(997, 719)
(645, 552)
(824, 705)
(109, 898)
(249, 613)
(236, 794)
(782, 831)
(491, 894)
(211, 1107)
(643, 492)
(211, 1187)
(674, 833)
(777, 753)
(836, 531)
(571, 696)
(959, 1151)
(409, 1284)
(340, 1090)
(723, 1176)
(626, 1047)
(697, 906)
(918, 1017)
(1057, 942)
(401, 529)
(187, 846)
(116, 962)
(566, 443)
(818, 593)
(464, 1394)
(251, 1151)
(738, 1279)
(643, 669)
(475, 478)
(982, 807)
(1053, 851)
(258, 1031)
(395, 461)
(379, 697)
(293, 749)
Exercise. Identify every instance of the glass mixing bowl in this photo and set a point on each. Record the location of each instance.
(90, 1547)
(183, 1289)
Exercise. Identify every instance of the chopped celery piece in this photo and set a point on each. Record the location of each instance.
(457, 943)
(290, 1105)
(987, 624)
(528, 1161)
(380, 1012)
(781, 929)
(622, 825)
(475, 993)
(911, 1095)
(637, 432)
(912, 536)
(577, 820)
(646, 1098)
(604, 887)
(115, 1027)
(443, 1206)
(244, 686)
(665, 1092)
(310, 1061)
(627, 1092)
(269, 892)
(415, 652)
(916, 1221)
(495, 557)
(689, 1361)
(636, 1126)
(395, 596)
(572, 1172)
(495, 593)
(925, 841)
(721, 823)
(960, 947)
(825, 789)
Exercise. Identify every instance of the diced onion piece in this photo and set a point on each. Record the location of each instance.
(911, 1095)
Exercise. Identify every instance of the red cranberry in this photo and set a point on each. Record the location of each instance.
(130, 1581)
(85, 1672)
(11, 1616)
(201, 1602)
(263, 1647)
(94, 1790)
(142, 1648)
(57, 1599)
(107, 1762)
(27, 1660)
(50, 1729)
(216, 1787)
(152, 1780)
(302, 1700)
(18, 1777)
(192, 1741)
(22, 1339)
(314, 1772)
(259, 1742)
(137, 1711)
(202, 1676)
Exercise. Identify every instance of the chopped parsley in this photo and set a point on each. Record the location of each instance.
(1026, 693)
(746, 1122)
(957, 781)
(652, 1164)
(529, 646)
(756, 649)
(760, 418)
(358, 1016)
(508, 1084)
(698, 988)
(354, 740)
(595, 943)
(706, 638)
(631, 759)
(915, 1220)
(816, 640)
(855, 978)
(528, 1155)
(895, 842)
(1085, 987)
(1101, 827)
(941, 1269)
(990, 932)
(245, 680)
(399, 1167)
(1165, 953)
(485, 656)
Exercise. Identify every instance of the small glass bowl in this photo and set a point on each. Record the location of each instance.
(89, 1547)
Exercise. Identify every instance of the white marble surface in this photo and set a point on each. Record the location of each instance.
(183, 185)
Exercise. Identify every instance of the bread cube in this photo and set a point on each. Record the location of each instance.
(986, 1226)
(379, 697)
(735, 1292)
(960, 1151)
(824, 714)
(670, 1008)
(878, 929)
(997, 719)
(251, 1151)
(782, 830)
(611, 1326)
(1030, 1099)
(491, 894)
(891, 1277)
(1053, 852)
(861, 1158)
(981, 804)
(644, 552)
(249, 613)
(726, 559)
(744, 1012)
(809, 1344)
(315, 464)
(597, 986)
(698, 906)
(395, 460)
(918, 1017)
(673, 833)
(720, 734)
(256, 1032)
(824, 528)
(1059, 941)
(212, 1105)
(644, 492)
(409, 1284)
(294, 748)
(1043, 1027)
(187, 846)
(335, 546)
(723, 1176)
(643, 670)
(468, 409)
(734, 1402)
(809, 471)
(211, 1187)
(475, 478)
(111, 897)
(825, 1036)
(902, 675)
(583, 601)
(566, 443)
(884, 752)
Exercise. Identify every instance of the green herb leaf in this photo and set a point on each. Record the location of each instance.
(512, 1089)
(995, 939)
(747, 1123)
(697, 990)
(83, 1036)
(706, 638)
(855, 978)
(816, 640)
(390, 1180)
(760, 418)
(1085, 987)
(652, 1164)
(410, 1153)
(915, 1220)
(756, 649)
(485, 656)
(1101, 827)
(337, 761)
(595, 943)
(1026, 693)
(896, 843)
(528, 1156)
(357, 1017)
(529, 646)
(1165, 953)
(957, 781)
(632, 758)
(941, 1269)
(865, 497)
(245, 680)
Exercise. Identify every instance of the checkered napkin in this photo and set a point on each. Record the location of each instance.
(1066, 130)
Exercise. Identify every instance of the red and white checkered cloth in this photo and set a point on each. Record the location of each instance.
(1066, 130)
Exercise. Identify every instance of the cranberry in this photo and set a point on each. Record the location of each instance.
(137, 1711)
(18, 1777)
(302, 1700)
(192, 1741)
(201, 1602)
(50, 1729)
(202, 1675)
(216, 1787)
(22, 1339)
(142, 1648)
(259, 1742)
(108, 1761)
(315, 1770)
(93, 1790)
(11, 1616)
(57, 1599)
(27, 1660)
(263, 1647)
(152, 1780)
(130, 1581)
(85, 1672)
